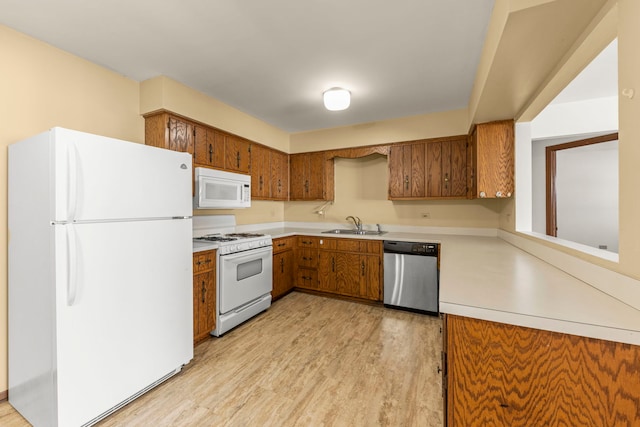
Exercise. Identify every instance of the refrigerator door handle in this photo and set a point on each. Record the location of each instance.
(72, 174)
(72, 276)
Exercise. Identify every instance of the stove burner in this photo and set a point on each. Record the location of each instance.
(216, 238)
(245, 235)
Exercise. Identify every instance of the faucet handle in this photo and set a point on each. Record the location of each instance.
(379, 228)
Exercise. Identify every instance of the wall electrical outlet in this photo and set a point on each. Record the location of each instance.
(426, 215)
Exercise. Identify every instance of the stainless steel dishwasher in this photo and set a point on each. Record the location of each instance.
(411, 276)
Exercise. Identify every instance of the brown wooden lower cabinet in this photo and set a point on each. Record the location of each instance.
(347, 267)
(505, 375)
(204, 294)
(282, 266)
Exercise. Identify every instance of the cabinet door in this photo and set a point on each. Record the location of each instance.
(506, 375)
(493, 152)
(433, 164)
(407, 171)
(180, 135)
(370, 277)
(282, 273)
(279, 176)
(204, 305)
(454, 168)
(237, 154)
(209, 147)
(260, 172)
(327, 271)
(315, 187)
(307, 278)
(299, 181)
(347, 273)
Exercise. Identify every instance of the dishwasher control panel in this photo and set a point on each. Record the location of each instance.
(413, 248)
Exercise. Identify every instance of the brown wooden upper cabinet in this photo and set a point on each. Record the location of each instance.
(209, 147)
(237, 154)
(427, 169)
(491, 160)
(269, 173)
(260, 172)
(279, 175)
(311, 177)
(165, 130)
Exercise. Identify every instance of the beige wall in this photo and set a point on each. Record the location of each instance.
(164, 93)
(361, 190)
(42, 87)
(433, 125)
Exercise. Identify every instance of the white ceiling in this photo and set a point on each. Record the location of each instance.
(273, 59)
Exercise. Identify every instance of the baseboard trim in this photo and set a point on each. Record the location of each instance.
(4, 395)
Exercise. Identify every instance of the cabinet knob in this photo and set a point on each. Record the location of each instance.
(483, 194)
(498, 193)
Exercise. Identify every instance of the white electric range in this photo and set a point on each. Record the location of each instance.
(244, 269)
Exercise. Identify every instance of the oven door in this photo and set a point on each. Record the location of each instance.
(244, 276)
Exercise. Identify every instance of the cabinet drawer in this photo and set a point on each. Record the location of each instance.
(204, 261)
(308, 242)
(349, 245)
(371, 247)
(306, 278)
(307, 258)
(282, 244)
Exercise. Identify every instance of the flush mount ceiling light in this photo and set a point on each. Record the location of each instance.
(336, 99)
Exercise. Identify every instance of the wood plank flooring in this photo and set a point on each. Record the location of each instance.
(307, 361)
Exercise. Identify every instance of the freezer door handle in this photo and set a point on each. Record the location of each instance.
(72, 182)
(72, 267)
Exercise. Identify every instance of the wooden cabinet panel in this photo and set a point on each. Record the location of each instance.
(429, 169)
(316, 176)
(505, 375)
(492, 160)
(308, 242)
(260, 172)
(307, 257)
(237, 154)
(349, 267)
(327, 268)
(209, 147)
(180, 135)
(279, 175)
(168, 131)
(370, 277)
(269, 173)
(433, 161)
(407, 171)
(307, 278)
(311, 177)
(459, 168)
(204, 261)
(283, 244)
(204, 294)
(282, 273)
(347, 273)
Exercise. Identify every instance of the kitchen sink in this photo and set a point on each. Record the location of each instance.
(352, 231)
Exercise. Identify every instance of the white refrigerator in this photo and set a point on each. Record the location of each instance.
(100, 274)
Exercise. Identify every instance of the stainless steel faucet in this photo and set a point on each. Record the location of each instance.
(356, 221)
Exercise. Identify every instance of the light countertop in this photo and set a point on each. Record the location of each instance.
(487, 278)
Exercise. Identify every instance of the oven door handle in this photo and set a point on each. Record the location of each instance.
(246, 255)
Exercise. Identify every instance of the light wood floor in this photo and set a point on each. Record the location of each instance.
(307, 361)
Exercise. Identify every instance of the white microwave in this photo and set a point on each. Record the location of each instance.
(216, 189)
